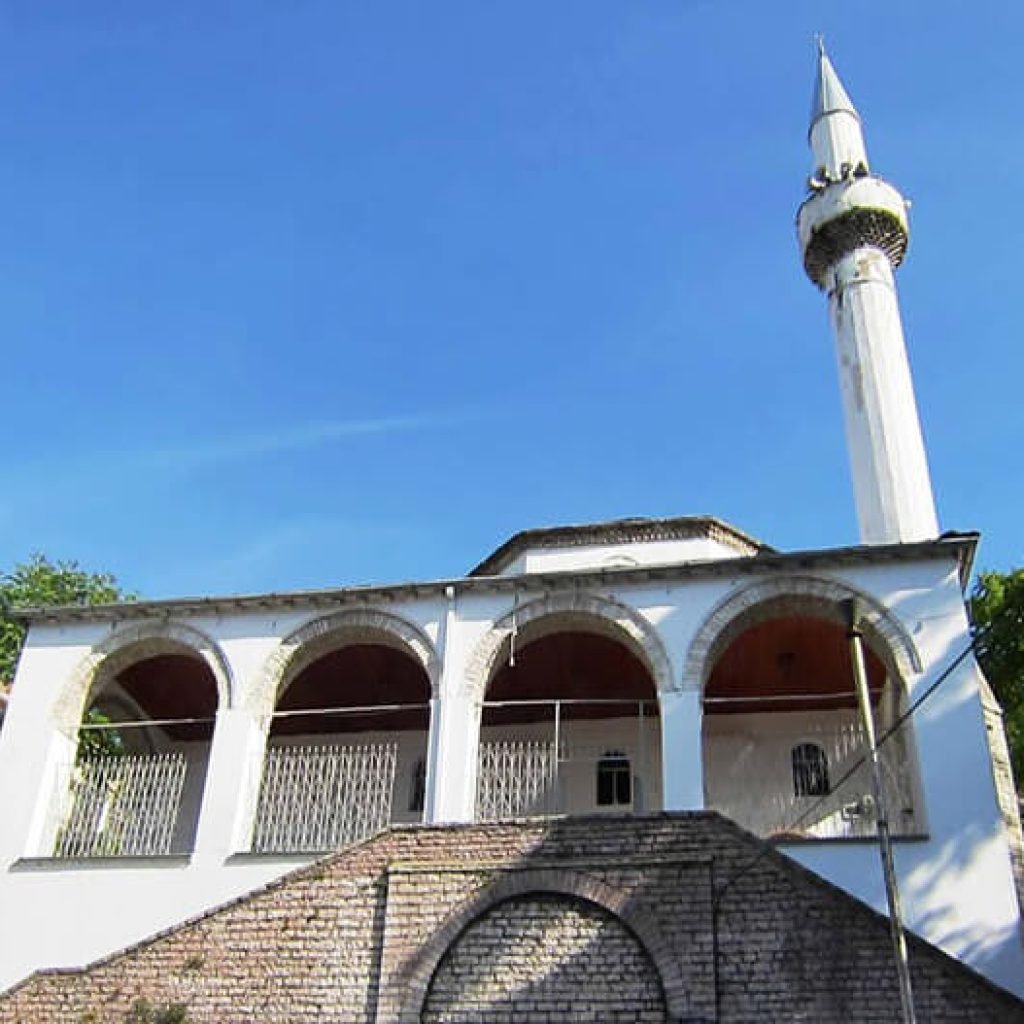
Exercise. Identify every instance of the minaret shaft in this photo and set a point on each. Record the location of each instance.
(853, 232)
(891, 483)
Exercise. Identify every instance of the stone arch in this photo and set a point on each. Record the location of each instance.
(418, 973)
(569, 610)
(783, 596)
(132, 644)
(327, 633)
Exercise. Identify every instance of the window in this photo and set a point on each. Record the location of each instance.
(418, 789)
(614, 780)
(810, 770)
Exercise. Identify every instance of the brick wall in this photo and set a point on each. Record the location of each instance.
(529, 959)
(681, 917)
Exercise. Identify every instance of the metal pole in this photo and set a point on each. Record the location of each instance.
(892, 892)
(640, 793)
(558, 757)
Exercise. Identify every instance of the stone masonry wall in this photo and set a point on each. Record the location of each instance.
(528, 959)
(717, 924)
(1006, 791)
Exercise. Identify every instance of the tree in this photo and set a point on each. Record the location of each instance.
(40, 582)
(997, 612)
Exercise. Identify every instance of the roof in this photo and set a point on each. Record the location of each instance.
(829, 95)
(619, 531)
(959, 546)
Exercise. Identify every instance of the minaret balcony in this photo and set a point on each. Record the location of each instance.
(849, 214)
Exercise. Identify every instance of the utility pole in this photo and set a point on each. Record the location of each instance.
(892, 892)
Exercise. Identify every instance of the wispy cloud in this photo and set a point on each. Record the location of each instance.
(202, 453)
(100, 475)
(278, 555)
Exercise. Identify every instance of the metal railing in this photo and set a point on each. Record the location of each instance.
(553, 771)
(319, 797)
(516, 778)
(121, 805)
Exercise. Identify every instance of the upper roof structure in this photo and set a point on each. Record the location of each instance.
(619, 531)
(757, 557)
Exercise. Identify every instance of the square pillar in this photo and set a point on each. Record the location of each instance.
(682, 751)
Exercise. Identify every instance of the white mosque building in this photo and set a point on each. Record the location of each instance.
(161, 757)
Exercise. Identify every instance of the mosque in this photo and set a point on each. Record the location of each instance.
(633, 770)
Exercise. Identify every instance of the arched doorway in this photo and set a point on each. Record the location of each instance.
(346, 751)
(784, 750)
(545, 956)
(141, 754)
(570, 725)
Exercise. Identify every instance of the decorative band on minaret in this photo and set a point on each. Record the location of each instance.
(853, 233)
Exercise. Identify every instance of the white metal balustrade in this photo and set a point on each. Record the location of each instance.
(552, 766)
(319, 797)
(121, 805)
(516, 778)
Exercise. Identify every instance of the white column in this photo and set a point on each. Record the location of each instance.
(455, 791)
(52, 799)
(454, 726)
(232, 785)
(887, 456)
(681, 751)
(433, 746)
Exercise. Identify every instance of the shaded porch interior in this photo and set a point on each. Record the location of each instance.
(569, 724)
(784, 750)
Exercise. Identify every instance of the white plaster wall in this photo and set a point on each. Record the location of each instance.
(58, 913)
(957, 884)
(570, 558)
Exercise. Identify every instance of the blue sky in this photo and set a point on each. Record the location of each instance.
(306, 294)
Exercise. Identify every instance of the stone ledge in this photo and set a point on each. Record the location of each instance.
(567, 863)
(147, 861)
(297, 857)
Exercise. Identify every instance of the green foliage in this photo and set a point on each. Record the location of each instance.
(40, 582)
(997, 611)
(93, 742)
(142, 1012)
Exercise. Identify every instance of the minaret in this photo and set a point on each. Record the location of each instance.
(853, 233)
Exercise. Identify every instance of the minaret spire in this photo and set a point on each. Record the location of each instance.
(835, 135)
(853, 233)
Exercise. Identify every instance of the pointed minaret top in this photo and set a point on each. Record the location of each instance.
(829, 95)
(835, 132)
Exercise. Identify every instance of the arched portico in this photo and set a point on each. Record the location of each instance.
(567, 693)
(783, 747)
(542, 616)
(347, 703)
(137, 717)
(131, 645)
